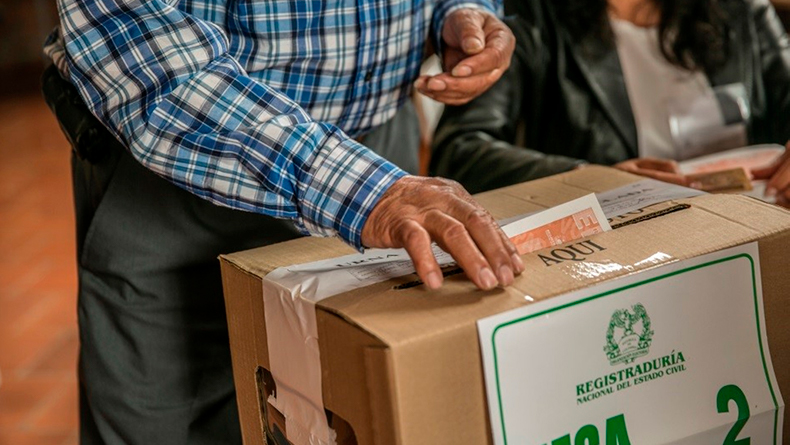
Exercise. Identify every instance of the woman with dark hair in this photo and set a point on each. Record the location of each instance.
(591, 82)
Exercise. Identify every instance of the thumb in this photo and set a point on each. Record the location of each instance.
(467, 26)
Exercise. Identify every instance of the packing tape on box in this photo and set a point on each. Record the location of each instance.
(289, 298)
(292, 337)
(291, 293)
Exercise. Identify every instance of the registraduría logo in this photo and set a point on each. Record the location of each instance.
(629, 335)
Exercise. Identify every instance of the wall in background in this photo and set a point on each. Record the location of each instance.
(783, 9)
(24, 25)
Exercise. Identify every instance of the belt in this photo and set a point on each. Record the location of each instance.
(89, 139)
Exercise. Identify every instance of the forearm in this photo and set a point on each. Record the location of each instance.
(164, 83)
(480, 162)
(475, 144)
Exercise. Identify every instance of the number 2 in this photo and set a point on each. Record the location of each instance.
(734, 393)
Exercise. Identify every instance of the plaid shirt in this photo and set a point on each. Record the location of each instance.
(249, 104)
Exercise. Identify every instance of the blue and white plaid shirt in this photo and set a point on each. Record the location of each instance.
(249, 103)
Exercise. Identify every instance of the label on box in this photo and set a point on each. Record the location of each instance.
(677, 354)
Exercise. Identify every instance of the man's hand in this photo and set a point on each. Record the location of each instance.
(662, 169)
(778, 176)
(416, 211)
(477, 50)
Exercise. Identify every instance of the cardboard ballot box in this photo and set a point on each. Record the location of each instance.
(402, 365)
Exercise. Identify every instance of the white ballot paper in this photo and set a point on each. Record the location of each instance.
(631, 198)
(640, 194)
(677, 354)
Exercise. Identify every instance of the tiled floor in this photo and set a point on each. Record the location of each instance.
(38, 323)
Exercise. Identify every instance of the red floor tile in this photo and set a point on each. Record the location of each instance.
(38, 328)
(20, 398)
(60, 357)
(57, 414)
(20, 351)
(35, 438)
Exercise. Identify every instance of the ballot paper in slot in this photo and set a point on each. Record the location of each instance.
(564, 223)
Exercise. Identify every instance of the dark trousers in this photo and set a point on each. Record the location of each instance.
(154, 364)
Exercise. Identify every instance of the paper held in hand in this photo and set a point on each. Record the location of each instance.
(732, 180)
(747, 158)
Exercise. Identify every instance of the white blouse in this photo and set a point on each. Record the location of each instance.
(653, 85)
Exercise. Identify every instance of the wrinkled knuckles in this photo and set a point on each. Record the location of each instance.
(479, 219)
(433, 214)
(409, 233)
(498, 55)
(454, 233)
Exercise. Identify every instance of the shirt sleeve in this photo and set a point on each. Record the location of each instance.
(162, 81)
(447, 7)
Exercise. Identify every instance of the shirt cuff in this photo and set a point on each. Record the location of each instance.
(444, 9)
(347, 181)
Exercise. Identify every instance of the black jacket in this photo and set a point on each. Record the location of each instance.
(568, 103)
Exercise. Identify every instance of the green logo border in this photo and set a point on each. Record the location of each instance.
(631, 286)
